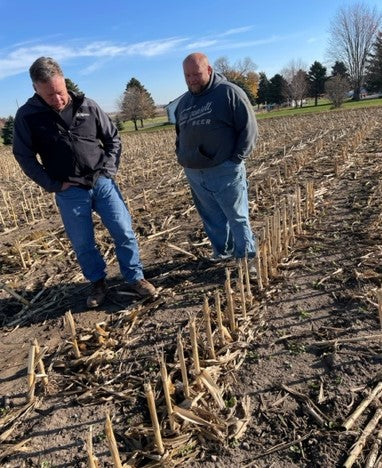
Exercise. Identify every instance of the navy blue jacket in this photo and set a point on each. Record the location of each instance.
(80, 153)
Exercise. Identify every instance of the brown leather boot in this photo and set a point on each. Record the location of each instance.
(143, 288)
(97, 294)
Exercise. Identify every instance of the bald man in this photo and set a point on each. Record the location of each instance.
(216, 131)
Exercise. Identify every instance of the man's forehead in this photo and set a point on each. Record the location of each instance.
(195, 65)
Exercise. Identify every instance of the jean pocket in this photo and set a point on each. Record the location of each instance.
(103, 181)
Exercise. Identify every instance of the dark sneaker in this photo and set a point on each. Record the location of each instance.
(252, 268)
(97, 294)
(220, 258)
(143, 288)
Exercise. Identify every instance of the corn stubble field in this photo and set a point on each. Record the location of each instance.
(219, 369)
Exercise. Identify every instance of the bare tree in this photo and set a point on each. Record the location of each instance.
(132, 104)
(245, 66)
(239, 68)
(296, 84)
(352, 33)
(336, 88)
(222, 65)
(242, 73)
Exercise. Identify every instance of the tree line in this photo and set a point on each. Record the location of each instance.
(355, 48)
(294, 84)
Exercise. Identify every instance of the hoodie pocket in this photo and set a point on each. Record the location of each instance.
(204, 154)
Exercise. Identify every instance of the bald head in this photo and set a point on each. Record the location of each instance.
(197, 72)
(196, 57)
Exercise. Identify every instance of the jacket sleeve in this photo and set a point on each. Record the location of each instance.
(27, 157)
(245, 126)
(108, 135)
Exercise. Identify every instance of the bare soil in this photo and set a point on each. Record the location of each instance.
(297, 391)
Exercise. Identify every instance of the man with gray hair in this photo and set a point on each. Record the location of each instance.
(79, 148)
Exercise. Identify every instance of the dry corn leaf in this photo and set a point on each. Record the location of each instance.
(211, 386)
(227, 334)
(101, 331)
(190, 416)
(229, 356)
(85, 337)
(241, 424)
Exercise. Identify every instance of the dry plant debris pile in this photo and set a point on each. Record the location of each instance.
(165, 389)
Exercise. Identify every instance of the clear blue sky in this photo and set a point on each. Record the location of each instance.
(101, 45)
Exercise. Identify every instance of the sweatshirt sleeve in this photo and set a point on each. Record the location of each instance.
(176, 132)
(245, 126)
(108, 135)
(27, 157)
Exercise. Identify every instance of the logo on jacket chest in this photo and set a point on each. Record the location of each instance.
(197, 115)
(201, 122)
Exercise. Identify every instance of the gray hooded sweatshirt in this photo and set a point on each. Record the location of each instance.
(214, 125)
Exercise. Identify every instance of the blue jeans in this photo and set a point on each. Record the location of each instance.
(76, 206)
(221, 197)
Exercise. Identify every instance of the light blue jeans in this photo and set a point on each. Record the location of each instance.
(76, 206)
(220, 195)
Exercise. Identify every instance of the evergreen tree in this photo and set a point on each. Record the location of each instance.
(263, 91)
(339, 68)
(70, 86)
(276, 86)
(7, 131)
(137, 103)
(317, 77)
(134, 83)
(373, 79)
(118, 123)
